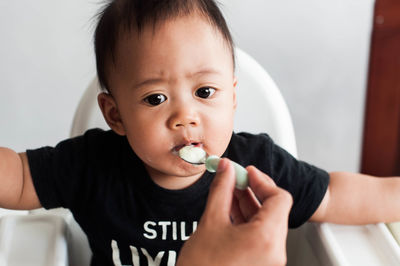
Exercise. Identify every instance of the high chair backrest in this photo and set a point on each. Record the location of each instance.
(261, 107)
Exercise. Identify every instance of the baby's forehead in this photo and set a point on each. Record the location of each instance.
(154, 35)
(153, 27)
(192, 54)
(121, 21)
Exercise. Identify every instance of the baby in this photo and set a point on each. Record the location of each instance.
(167, 69)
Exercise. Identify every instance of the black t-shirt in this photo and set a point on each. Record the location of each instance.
(130, 219)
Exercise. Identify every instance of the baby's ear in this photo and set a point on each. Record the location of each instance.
(110, 112)
(234, 92)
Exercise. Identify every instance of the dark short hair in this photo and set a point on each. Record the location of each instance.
(119, 16)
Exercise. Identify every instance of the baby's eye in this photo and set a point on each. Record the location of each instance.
(205, 92)
(155, 99)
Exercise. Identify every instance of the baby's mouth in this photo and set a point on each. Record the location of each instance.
(177, 148)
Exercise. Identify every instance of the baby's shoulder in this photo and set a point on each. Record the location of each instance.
(246, 138)
(247, 148)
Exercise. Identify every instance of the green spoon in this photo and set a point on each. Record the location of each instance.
(197, 156)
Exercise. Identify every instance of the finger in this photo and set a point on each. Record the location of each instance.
(248, 203)
(255, 172)
(261, 184)
(274, 210)
(219, 200)
(276, 202)
(236, 215)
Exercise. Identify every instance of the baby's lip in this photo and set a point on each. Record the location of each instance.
(190, 143)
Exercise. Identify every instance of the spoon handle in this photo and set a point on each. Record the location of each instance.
(242, 180)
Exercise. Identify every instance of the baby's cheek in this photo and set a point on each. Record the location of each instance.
(148, 153)
(143, 144)
(219, 138)
(152, 147)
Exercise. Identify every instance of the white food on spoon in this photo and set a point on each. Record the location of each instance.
(192, 154)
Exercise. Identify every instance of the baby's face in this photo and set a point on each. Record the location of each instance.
(174, 86)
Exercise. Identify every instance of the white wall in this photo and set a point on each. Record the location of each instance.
(46, 60)
(316, 50)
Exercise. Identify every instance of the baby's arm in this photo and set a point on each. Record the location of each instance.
(16, 186)
(360, 199)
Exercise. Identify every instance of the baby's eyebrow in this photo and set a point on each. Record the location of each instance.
(205, 71)
(159, 80)
(150, 81)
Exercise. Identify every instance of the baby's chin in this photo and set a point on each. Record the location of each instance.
(179, 169)
(183, 169)
(191, 172)
(178, 178)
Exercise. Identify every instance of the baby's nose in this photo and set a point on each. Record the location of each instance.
(183, 117)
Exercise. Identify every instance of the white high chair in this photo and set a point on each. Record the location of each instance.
(261, 108)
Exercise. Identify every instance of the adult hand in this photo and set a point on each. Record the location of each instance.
(239, 229)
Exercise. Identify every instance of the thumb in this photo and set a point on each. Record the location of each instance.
(221, 192)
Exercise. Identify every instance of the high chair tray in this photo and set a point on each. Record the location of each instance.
(33, 240)
(345, 245)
